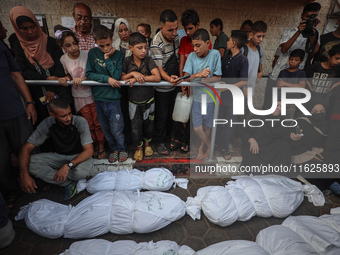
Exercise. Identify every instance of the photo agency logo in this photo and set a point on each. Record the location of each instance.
(238, 105)
(204, 105)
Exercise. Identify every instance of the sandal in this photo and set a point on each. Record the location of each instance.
(184, 147)
(113, 157)
(162, 149)
(226, 155)
(95, 153)
(148, 151)
(231, 148)
(138, 155)
(123, 156)
(174, 144)
(101, 155)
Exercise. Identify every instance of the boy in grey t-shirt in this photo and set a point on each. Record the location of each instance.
(254, 54)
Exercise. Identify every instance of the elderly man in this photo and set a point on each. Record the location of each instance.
(82, 15)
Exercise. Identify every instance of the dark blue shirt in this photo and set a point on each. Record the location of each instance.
(292, 78)
(10, 102)
(234, 69)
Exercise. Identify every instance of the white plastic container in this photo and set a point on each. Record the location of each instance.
(182, 108)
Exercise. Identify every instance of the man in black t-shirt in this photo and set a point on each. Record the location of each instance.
(70, 160)
(327, 41)
(322, 77)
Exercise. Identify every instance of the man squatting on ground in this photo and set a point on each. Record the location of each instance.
(71, 159)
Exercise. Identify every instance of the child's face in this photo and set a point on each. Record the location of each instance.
(139, 50)
(105, 45)
(214, 29)
(71, 47)
(123, 32)
(201, 48)
(190, 29)
(294, 62)
(142, 30)
(257, 37)
(334, 61)
(230, 43)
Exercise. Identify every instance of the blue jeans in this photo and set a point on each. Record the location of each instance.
(112, 123)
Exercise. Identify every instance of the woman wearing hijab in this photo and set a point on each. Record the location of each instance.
(121, 36)
(269, 144)
(39, 59)
(308, 149)
(311, 148)
(331, 147)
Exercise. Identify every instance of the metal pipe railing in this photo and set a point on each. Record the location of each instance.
(159, 84)
(95, 83)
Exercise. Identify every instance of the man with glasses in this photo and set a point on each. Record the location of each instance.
(82, 15)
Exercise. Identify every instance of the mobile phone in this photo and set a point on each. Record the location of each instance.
(318, 156)
(184, 77)
(42, 99)
(298, 130)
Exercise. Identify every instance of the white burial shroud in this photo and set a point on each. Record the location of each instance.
(302, 235)
(118, 212)
(158, 179)
(264, 196)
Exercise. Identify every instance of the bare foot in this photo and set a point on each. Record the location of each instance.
(200, 154)
(207, 154)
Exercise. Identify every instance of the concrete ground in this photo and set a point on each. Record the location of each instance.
(196, 234)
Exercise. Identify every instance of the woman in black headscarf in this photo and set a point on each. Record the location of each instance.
(332, 144)
(308, 148)
(268, 144)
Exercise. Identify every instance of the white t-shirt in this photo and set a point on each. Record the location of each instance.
(283, 60)
(77, 68)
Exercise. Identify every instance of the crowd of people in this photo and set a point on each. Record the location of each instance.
(53, 135)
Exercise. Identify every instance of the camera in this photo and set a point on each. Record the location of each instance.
(310, 25)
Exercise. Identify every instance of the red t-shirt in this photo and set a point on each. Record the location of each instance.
(186, 47)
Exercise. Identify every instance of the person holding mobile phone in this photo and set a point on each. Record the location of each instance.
(312, 133)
